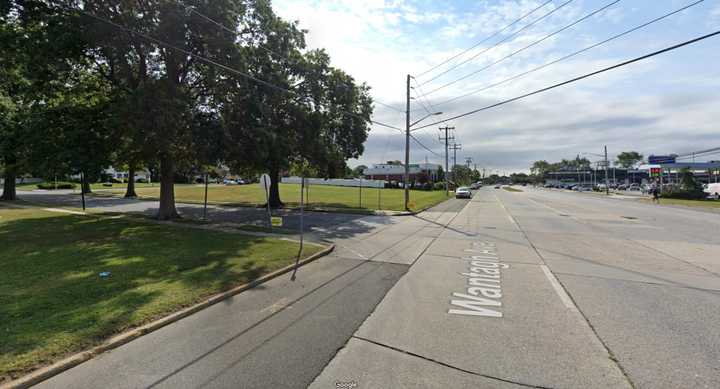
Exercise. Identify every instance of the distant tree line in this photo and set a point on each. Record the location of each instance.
(78, 93)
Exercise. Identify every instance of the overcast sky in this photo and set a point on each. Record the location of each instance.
(670, 103)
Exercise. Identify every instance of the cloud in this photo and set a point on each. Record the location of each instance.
(666, 104)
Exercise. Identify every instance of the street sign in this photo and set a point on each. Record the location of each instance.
(265, 186)
(265, 183)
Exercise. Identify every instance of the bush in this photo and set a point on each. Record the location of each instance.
(141, 181)
(116, 181)
(439, 186)
(682, 194)
(60, 185)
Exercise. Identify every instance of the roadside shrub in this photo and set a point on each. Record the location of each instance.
(116, 181)
(141, 181)
(682, 194)
(439, 186)
(60, 185)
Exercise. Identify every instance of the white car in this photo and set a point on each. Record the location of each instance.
(463, 193)
(713, 190)
(230, 182)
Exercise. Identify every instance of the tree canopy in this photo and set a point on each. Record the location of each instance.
(180, 85)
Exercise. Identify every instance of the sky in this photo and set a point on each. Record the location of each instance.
(667, 104)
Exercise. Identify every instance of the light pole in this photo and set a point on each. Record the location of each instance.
(406, 177)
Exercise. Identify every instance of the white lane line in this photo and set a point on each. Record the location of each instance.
(559, 289)
(59, 210)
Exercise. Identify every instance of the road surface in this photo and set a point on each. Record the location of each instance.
(538, 288)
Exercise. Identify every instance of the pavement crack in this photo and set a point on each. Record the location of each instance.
(435, 361)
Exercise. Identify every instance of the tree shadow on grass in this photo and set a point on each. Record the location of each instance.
(53, 301)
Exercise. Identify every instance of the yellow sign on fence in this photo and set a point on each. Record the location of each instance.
(276, 221)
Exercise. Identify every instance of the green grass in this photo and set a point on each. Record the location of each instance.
(52, 301)
(319, 196)
(511, 189)
(715, 204)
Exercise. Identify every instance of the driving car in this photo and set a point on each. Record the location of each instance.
(463, 193)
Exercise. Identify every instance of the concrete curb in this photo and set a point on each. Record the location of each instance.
(58, 367)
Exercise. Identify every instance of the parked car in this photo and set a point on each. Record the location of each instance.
(497, 186)
(713, 190)
(230, 182)
(622, 187)
(634, 187)
(475, 186)
(463, 193)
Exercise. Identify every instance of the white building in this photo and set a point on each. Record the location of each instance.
(393, 172)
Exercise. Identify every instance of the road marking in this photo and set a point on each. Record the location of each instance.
(559, 289)
(59, 210)
(483, 282)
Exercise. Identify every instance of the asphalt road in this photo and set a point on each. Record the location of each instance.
(538, 288)
(597, 293)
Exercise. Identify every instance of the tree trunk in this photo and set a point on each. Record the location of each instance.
(130, 192)
(9, 192)
(274, 194)
(167, 209)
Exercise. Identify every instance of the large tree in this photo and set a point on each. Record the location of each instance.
(311, 113)
(628, 159)
(152, 52)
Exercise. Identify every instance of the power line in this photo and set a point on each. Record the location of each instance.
(282, 57)
(485, 40)
(626, 32)
(500, 42)
(637, 59)
(214, 63)
(423, 146)
(588, 16)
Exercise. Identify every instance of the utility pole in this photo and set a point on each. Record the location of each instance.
(607, 184)
(406, 184)
(445, 140)
(455, 147)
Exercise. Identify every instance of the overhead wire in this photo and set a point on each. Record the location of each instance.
(573, 54)
(212, 62)
(486, 39)
(548, 36)
(282, 57)
(513, 35)
(588, 75)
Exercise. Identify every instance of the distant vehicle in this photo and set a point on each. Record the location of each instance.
(634, 187)
(463, 193)
(622, 187)
(241, 182)
(475, 186)
(601, 186)
(713, 190)
(497, 186)
(230, 182)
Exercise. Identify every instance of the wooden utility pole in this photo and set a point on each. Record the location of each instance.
(446, 139)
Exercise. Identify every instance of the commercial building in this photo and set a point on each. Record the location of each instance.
(395, 173)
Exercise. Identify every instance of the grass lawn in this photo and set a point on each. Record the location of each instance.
(511, 189)
(53, 302)
(688, 203)
(319, 196)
